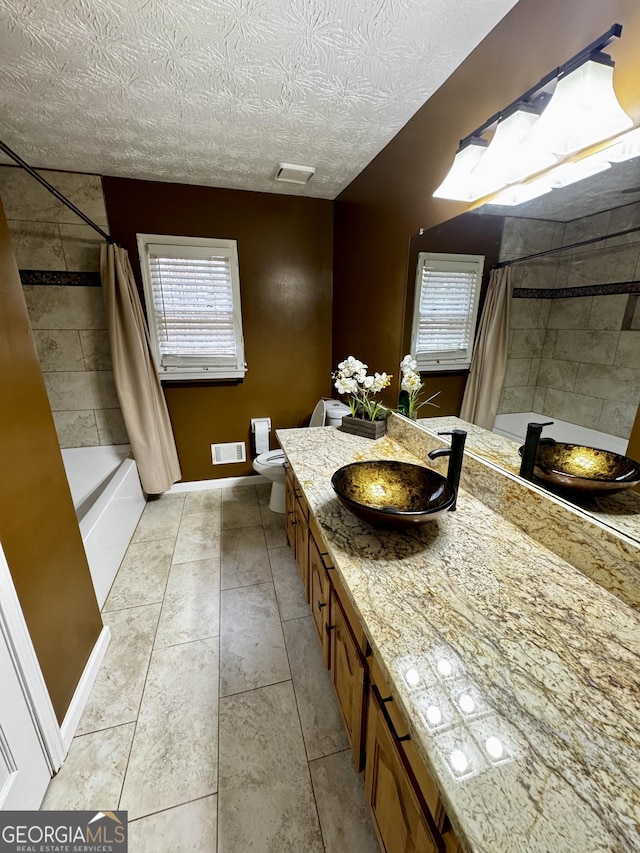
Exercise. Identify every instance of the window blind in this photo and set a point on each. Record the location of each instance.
(446, 303)
(193, 302)
(193, 299)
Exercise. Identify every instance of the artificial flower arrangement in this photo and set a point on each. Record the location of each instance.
(351, 378)
(409, 403)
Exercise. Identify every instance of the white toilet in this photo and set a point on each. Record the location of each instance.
(271, 464)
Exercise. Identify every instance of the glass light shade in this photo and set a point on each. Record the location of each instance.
(519, 193)
(571, 173)
(626, 147)
(583, 110)
(458, 184)
(502, 156)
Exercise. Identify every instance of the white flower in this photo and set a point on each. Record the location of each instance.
(408, 363)
(411, 381)
(380, 381)
(367, 381)
(351, 367)
(346, 385)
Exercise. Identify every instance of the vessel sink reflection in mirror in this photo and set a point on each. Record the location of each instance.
(584, 470)
(393, 494)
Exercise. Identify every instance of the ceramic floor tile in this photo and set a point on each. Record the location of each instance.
(344, 814)
(252, 650)
(209, 500)
(265, 801)
(160, 519)
(263, 491)
(191, 607)
(142, 575)
(322, 725)
(191, 828)
(289, 589)
(273, 524)
(244, 558)
(240, 508)
(91, 777)
(198, 538)
(174, 757)
(117, 691)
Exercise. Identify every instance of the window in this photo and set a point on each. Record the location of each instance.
(445, 310)
(192, 291)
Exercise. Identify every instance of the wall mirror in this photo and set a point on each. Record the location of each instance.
(573, 357)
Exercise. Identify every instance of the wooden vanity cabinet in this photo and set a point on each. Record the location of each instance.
(407, 811)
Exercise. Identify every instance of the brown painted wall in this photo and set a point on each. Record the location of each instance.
(38, 527)
(285, 256)
(376, 215)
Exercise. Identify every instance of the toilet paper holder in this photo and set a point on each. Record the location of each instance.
(260, 421)
(261, 427)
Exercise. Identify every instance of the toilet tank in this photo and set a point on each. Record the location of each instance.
(328, 413)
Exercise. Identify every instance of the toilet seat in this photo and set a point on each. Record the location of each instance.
(272, 457)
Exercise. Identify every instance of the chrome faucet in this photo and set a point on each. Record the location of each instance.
(530, 447)
(455, 454)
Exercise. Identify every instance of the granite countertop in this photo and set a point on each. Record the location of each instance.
(620, 511)
(546, 660)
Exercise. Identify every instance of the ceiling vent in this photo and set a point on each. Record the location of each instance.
(292, 174)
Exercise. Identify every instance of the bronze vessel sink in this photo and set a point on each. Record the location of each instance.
(586, 471)
(393, 494)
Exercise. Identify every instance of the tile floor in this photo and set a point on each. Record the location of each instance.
(213, 720)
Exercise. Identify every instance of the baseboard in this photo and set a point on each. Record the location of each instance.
(223, 483)
(82, 691)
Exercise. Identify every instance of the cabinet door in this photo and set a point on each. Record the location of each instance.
(398, 817)
(348, 671)
(302, 545)
(319, 596)
(290, 521)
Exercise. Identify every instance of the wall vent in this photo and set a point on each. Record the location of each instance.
(232, 451)
(292, 174)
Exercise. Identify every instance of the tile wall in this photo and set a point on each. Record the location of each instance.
(68, 322)
(575, 359)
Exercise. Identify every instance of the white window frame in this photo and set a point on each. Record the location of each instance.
(443, 262)
(193, 368)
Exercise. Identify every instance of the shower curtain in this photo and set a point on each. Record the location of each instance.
(143, 405)
(489, 362)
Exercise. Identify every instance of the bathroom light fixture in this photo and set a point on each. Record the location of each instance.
(569, 110)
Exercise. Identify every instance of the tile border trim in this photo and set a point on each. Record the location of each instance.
(584, 290)
(61, 277)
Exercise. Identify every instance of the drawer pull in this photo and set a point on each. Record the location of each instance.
(387, 718)
(325, 566)
(329, 628)
(321, 604)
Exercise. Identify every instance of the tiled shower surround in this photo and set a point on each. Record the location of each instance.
(575, 359)
(69, 323)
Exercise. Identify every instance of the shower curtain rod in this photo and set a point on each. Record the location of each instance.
(54, 191)
(564, 248)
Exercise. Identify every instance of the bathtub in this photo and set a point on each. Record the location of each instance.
(108, 500)
(514, 426)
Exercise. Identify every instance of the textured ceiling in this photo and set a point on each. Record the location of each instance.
(216, 92)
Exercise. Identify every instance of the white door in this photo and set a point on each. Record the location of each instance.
(24, 770)
(30, 743)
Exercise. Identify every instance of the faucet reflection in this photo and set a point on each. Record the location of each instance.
(455, 454)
